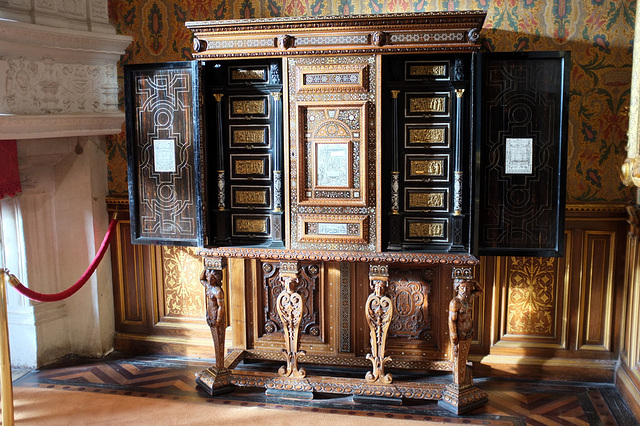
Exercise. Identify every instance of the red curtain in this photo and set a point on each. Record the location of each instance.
(9, 175)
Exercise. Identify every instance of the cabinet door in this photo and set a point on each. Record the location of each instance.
(164, 154)
(244, 123)
(521, 134)
(426, 201)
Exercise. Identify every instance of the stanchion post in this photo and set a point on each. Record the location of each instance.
(5, 357)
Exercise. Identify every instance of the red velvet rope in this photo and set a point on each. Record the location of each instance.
(41, 297)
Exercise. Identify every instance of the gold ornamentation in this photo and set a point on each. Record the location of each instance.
(426, 167)
(249, 167)
(250, 136)
(434, 135)
(531, 299)
(424, 200)
(247, 74)
(425, 105)
(183, 296)
(426, 230)
(459, 93)
(248, 107)
(218, 97)
(428, 70)
(251, 197)
(251, 226)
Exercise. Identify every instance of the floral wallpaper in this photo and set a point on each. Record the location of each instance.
(598, 32)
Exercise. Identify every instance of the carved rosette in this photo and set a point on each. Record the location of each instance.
(290, 305)
(379, 312)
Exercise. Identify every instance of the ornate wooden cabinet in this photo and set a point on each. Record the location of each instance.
(339, 176)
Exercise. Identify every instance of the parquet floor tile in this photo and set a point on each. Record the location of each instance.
(511, 402)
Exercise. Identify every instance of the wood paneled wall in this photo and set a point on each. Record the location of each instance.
(539, 317)
(628, 373)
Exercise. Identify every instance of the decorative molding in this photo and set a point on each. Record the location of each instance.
(60, 125)
(35, 42)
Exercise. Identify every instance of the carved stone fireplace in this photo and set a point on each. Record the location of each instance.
(59, 99)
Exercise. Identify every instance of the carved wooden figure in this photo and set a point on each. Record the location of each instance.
(215, 379)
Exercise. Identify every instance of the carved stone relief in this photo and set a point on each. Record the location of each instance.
(47, 86)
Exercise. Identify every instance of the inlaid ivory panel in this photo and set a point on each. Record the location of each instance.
(332, 162)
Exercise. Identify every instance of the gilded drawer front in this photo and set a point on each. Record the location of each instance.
(250, 197)
(246, 225)
(249, 107)
(428, 104)
(249, 167)
(427, 70)
(427, 168)
(248, 74)
(249, 136)
(427, 135)
(426, 200)
(427, 230)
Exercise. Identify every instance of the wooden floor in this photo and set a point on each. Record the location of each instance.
(511, 402)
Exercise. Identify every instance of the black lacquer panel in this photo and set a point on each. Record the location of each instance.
(244, 136)
(521, 119)
(164, 153)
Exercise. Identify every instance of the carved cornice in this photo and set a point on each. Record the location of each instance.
(62, 125)
(358, 34)
(340, 256)
(36, 42)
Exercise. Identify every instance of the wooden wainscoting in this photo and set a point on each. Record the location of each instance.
(628, 373)
(539, 317)
(558, 317)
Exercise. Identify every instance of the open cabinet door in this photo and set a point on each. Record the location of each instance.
(521, 135)
(164, 154)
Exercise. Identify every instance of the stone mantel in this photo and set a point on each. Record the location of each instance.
(33, 42)
(38, 126)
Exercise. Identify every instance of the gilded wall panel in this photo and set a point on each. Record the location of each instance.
(531, 298)
(183, 293)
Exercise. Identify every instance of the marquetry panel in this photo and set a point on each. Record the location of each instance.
(183, 296)
(333, 160)
(164, 153)
(532, 301)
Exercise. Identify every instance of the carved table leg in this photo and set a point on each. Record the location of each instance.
(379, 311)
(461, 396)
(290, 305)
(215, 379)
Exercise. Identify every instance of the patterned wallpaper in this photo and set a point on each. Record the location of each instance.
(598, 32)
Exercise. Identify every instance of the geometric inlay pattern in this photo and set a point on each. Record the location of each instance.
(165, 152)
(521, 154)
